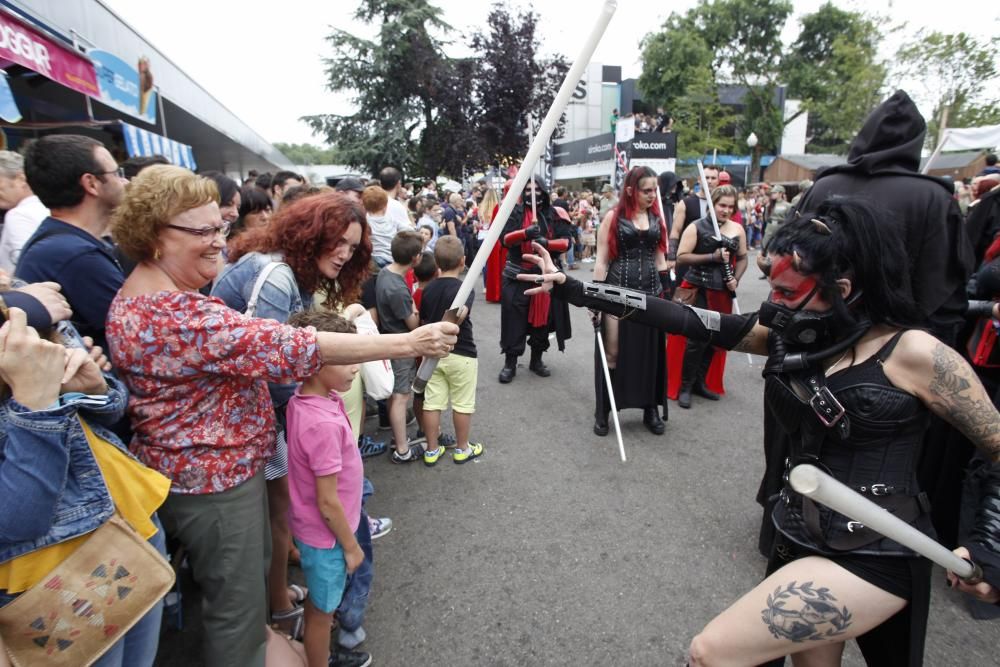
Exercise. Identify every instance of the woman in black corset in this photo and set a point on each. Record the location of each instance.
(853, 383)
(631, 246)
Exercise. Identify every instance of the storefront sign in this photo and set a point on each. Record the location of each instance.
(583, 151)
(25, 46)
(123, 87)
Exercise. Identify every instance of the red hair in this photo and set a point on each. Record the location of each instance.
(305, 229)
(628, 206)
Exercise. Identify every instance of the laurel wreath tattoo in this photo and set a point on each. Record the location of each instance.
(804, 613)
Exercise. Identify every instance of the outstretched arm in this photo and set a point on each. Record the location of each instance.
(735, 332)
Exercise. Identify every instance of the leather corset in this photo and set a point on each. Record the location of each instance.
(708, 275)
(876, 455)
(635, 265)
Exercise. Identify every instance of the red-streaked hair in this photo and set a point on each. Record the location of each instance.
(305, 229)
(628, 206)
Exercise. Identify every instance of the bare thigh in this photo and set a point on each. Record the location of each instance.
(611, 340)
(811, 604)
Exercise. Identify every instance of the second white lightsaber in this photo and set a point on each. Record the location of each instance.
(812, 482)
(727, 270)
(611, 393)
(548, 125)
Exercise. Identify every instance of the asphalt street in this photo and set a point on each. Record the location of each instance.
(550, 550)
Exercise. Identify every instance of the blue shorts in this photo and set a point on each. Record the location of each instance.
(326, 575)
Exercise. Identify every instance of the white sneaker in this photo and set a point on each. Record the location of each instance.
(378, 527)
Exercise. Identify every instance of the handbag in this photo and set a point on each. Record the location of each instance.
(378, 376)
(88, 602)
(685, 295)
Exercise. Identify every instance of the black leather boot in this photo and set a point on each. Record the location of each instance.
(699, 387)
(651, 418)
(693, 354)
(603, 409)
(509, 369)
(536, 365)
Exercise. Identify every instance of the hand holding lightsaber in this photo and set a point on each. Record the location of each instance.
(812, 482)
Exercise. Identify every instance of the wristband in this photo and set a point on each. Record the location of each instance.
(37, 316)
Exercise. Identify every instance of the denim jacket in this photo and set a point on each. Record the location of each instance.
(51, 485)
(279, 298)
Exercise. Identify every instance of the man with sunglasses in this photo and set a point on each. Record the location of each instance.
(80, 182)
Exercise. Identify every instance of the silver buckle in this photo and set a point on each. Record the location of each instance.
(880, 490)
(827, 407)
(854, 525)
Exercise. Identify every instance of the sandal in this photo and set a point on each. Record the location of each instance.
(293, 619)
(299, 593)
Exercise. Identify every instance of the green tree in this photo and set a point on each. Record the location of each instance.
(701, 118)
(394, 80)
(833, 68)
(674, 60)
(955, 70)
(308, 154)
(744, 37)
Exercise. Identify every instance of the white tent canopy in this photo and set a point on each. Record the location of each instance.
(967, 138)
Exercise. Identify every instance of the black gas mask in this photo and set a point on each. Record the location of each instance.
(806, 337)
(797, 327)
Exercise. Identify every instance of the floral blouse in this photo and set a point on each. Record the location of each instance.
(197, 375)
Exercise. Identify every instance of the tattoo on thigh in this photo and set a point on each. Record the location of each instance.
(799, 613)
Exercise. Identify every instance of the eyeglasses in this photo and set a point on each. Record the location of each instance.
(205, 232)
(119, 172)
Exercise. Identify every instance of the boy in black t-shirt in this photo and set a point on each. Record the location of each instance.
(456, 375)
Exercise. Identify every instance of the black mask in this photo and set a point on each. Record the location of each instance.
(801, 329)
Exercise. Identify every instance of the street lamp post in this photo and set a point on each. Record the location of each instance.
(752, 167)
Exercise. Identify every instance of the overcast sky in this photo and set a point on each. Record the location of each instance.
(263, 60)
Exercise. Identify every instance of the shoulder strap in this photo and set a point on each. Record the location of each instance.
(258, 285)
(887, 349)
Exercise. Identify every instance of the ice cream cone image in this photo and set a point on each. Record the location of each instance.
(145, 85)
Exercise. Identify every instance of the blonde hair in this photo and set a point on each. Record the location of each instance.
(152, 199)
(487, 204)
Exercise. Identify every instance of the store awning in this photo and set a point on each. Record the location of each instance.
(140, 142)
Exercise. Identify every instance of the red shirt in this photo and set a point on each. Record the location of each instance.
(197, 375)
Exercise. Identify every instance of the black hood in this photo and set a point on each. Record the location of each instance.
(892, 137)
(890, 142)
(541, 196)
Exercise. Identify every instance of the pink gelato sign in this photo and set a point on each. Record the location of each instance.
(26, 46)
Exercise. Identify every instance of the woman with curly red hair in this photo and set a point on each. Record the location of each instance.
(316, 244)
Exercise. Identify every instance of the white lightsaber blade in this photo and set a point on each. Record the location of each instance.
(534, 197)
(812, 482)
(548, 125)
(611, 394)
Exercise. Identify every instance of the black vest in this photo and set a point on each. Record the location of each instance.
(709, 275)
(875, 452)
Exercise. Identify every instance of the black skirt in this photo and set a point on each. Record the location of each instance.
(641, 376)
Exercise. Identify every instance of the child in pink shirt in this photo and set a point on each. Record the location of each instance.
(325, 480)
